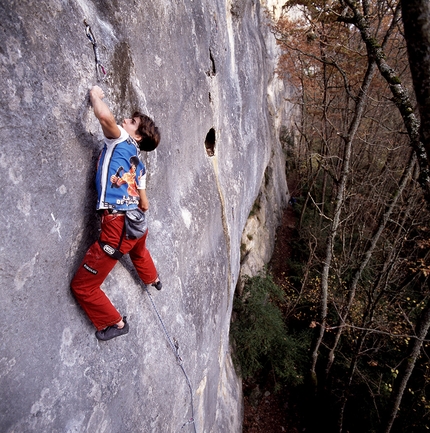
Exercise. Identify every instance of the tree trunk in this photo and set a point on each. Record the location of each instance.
(368, 254)
(421, 331)
(416, 20)
(340, 197)
(400, 95)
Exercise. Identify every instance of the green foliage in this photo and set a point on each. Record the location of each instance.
(255, 208)
(259, 335)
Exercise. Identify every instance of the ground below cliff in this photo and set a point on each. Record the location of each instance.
(265, 411)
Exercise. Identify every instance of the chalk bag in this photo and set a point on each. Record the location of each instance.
(135, 223)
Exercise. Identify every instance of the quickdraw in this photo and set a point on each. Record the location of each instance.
(100, 70)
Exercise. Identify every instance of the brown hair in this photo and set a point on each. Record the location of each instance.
(149, 132)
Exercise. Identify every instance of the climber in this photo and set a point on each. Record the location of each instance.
(118, 191)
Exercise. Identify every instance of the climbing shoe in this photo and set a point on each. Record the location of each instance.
(157, 285)
(113, 331)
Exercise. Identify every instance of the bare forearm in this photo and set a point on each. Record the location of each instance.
(103, 113)
(143, 202)
(101, 110)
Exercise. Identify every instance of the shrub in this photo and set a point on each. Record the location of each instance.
(259, 334)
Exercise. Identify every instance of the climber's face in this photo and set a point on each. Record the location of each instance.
(131, 126)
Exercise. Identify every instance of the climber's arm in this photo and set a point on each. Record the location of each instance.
(143, 202)
(103, 114)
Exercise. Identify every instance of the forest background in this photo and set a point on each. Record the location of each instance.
(342, 333)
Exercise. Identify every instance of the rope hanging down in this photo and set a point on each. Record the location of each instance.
(175, 348)
(100, 70)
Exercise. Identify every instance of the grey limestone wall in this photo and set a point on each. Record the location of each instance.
(193, 66)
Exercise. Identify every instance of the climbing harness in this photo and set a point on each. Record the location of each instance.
(175, 348)
(100, 70)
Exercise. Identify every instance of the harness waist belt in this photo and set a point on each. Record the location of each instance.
(112, 211)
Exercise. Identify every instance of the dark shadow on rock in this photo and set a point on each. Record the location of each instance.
(128, 265)
(88, 199)
(125, 97)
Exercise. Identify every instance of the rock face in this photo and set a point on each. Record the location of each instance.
(204, 71)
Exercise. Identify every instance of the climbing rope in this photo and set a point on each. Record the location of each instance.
(100, 70)
(175, 348)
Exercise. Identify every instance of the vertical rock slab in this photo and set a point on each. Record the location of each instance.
(196, 67)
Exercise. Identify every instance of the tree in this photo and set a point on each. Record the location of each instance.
(400, 95)
(360, 182)
(416, 20)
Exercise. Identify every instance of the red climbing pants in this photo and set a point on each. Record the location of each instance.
(96, 266)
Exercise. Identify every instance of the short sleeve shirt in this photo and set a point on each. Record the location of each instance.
(120, 173)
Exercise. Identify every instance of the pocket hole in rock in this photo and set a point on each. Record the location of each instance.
(210, 142)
